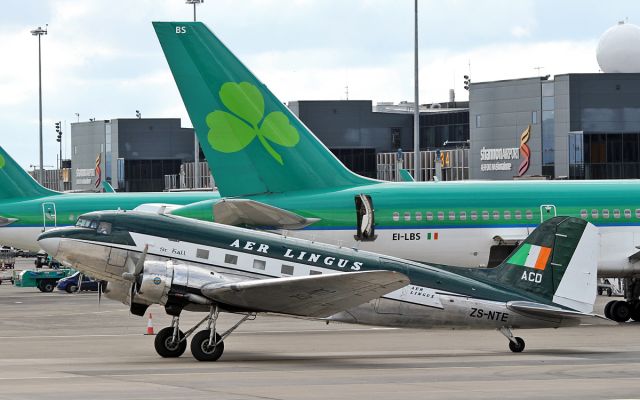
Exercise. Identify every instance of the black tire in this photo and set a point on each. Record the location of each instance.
(609, 292)
(607, 309)
(71, 288)
(47, 286)
(599, 291)
(517, 348)
(164, 346)
(202, 351)
(620, 311)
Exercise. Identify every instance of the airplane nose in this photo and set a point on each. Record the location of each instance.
(50, 245)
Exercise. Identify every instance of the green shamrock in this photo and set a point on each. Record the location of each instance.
(232, 132)
(2, 162)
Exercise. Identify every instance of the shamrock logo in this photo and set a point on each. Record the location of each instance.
(232, 132)
(2, 162)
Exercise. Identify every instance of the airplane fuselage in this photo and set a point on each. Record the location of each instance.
(438, 296)
(457, 223)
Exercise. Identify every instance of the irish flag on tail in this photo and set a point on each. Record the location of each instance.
(532, 256)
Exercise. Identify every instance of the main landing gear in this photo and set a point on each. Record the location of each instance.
(206, 345)
(516, 344)
(622, 311)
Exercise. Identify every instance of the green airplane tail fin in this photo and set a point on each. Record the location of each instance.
(557, 262)
(253, 143)
(15, 182)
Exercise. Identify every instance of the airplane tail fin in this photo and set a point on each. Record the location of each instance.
(15, 182)
(557, 262)
(253, 143)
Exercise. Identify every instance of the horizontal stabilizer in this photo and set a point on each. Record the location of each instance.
(243, 212)
(308, 296)
(547, 311)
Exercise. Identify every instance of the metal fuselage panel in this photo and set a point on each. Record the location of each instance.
(417, 305)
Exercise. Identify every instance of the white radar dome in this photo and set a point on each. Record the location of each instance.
(619, 49)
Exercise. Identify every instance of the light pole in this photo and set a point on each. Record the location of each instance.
(416, 110)
(39, 32)
(196, 145)
(59, 140)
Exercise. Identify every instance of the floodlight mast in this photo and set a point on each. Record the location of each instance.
(39, 32)
(196, 144)
(416, 110)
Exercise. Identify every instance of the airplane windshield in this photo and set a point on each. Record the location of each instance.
(87, 223)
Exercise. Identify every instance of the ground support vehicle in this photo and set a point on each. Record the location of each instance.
(43, 279)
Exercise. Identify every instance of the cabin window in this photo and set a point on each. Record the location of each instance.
(440, 216)
(93, 225)
(418, 216)
(202, 253)
(104, 228)
(452, 215)
(507, 215)
(474, 215)
(429, 216)
(496, 214)
(627, 213)
(230, 259)
(314, 272)
(616, 213)
(518, 214)
(259, 264)
(407, 216)
(594, 213)
(605, 213)
(529, 214)
(396, 216)
(286, 269)
(485, 215)
(463, 215)
(584, 214)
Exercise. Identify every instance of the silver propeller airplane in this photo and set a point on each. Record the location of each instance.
(182, 264)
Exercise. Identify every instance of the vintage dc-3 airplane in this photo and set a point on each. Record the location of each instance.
(183, 264)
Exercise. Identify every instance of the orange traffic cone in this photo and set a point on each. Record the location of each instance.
(150, 326)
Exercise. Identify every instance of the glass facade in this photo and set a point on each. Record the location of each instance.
(548, 129)
(148, 175)
(604, 155)
(107, 152)
(441, 127)
(360, 161)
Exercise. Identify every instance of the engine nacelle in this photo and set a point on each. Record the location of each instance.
(158, 277)
(154, 283)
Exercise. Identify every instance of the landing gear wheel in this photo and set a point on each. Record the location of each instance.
(202, 350)
(517, 348)
(620, 311)
(165, 345)
(607, 309)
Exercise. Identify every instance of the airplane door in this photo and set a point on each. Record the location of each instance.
(365, 218)
(547, 211)
(49, 219)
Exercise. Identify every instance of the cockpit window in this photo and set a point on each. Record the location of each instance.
(87, 223)
(104, 228)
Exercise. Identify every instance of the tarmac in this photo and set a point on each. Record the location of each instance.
(59, 345)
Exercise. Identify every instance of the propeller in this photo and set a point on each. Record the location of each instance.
(134, 276)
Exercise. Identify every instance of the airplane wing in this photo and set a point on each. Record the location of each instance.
(547, 311)
(254, 213)
(308, 296)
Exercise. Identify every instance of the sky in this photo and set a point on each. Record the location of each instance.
(101, 59)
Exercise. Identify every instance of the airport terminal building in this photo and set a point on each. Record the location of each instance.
(574, 126)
